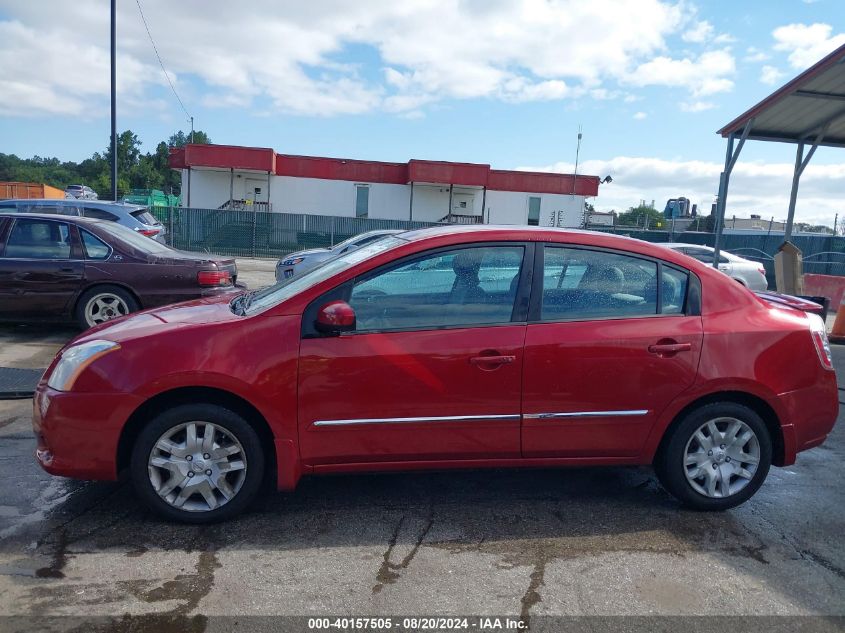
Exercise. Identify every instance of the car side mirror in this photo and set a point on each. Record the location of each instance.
(335, 317)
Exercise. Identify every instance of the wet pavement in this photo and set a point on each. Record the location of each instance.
(604, 541)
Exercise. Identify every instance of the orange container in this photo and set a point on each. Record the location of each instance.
(28, 190)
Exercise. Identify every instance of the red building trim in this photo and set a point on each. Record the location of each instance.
(341, 169)
(441, 172)
(437, 172)
(542, 182)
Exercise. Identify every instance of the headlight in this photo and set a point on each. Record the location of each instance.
(293, 262)
(75, 359)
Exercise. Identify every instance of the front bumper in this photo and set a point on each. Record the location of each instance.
(78, 433)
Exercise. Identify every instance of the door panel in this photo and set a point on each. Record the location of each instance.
(611, 351)
(39, 270)
(596, 367)
(386, 377)
(433, 370)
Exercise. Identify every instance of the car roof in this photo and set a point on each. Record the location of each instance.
(51, 216)
(101, 204)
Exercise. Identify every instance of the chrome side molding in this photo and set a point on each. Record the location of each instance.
(445, 418)
(585, 414)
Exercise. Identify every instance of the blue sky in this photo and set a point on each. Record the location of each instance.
(495, 81)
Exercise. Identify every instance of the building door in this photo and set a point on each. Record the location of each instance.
(256, 190)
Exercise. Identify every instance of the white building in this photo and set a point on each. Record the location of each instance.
(220, 176)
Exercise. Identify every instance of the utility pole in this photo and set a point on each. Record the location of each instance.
(113, 103)
(577, 154)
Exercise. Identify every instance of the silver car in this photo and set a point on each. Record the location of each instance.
(138, 218)
(747, 272)
(299, 262)
(81, 192)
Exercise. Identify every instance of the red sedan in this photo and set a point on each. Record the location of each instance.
(446, 348)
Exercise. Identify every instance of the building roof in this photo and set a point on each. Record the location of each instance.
(802, 108)
(414, 171)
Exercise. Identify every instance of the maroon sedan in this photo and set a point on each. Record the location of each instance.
(446, 348)
(90, 271)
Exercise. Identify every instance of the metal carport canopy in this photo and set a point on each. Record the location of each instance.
(808, 111)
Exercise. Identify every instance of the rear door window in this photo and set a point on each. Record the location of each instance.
(38, 239)
(99, 214)
(95, 248)
(145, 217)
(580, 284)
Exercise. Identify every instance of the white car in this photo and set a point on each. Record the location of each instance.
(80, 192)
(749, 273)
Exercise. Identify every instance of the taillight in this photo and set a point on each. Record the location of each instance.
(149, 232)
(818, 331)
(214, 278)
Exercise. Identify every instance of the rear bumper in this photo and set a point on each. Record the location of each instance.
(810, 415)
(78, 433)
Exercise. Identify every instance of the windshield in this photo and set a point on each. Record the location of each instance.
(273, 295)
(133, 238)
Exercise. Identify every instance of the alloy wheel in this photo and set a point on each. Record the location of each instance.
(104, 307)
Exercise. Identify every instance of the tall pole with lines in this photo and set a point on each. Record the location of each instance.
(113, 102)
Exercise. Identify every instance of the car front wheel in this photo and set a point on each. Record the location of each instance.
(716, 457)
(197, 463)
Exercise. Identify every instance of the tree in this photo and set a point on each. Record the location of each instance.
(642, 216)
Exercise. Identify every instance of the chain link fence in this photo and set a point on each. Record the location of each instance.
(259, 233)
(254, 233)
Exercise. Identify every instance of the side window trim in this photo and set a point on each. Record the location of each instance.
(535, 307)
(82, 233)
(343, 291)
(74, 253)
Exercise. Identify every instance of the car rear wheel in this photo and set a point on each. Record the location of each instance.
(104, 303)
(716, 457)
(197, 463)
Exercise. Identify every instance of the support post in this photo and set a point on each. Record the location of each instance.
(269, 178)
(731, 157)
(484, 204)
(189, 186)
(801, 163)
(231, 186)
(449, 211)
(411, 206)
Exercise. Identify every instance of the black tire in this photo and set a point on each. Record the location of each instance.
(108, 291)
(670, 467)
(222, 418)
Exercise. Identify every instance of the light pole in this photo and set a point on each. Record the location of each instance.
(113, 104)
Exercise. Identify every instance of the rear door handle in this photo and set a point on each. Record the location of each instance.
(669, 348)
(491, 360)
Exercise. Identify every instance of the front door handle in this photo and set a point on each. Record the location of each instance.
(491, 360)
(669, 348)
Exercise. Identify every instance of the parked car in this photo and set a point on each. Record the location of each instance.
(80, 192)
(301, 261)
(747, 272)
(535, 347)
(90, 271)
(137, 218)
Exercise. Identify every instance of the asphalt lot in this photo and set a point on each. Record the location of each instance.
(603, 541)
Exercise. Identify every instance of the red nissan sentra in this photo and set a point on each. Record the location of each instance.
(446, 348)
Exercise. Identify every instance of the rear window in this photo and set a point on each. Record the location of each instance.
(135, 240)
(145, 217)
(99, 214)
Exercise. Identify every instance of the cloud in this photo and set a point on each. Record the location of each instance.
(770, 75)
(707, 74)
(806, 43)
(639, 116)
(755, 55)
(755, 187)
(304, 58)
(699, 33)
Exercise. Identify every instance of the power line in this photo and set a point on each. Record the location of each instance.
(161, 63)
